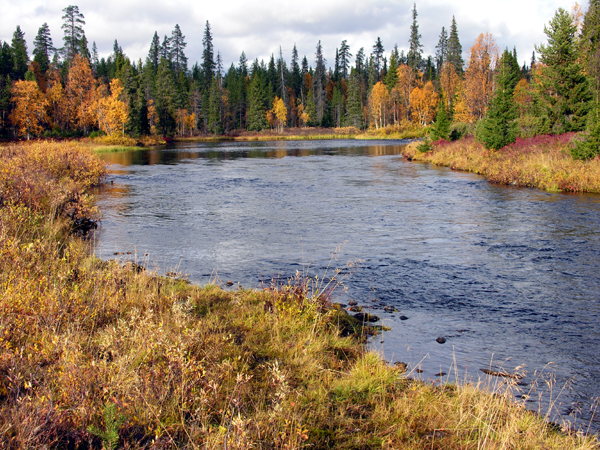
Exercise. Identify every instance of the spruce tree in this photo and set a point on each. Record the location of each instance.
(19, 54)
(73, 22)
(296, 75)
(564, 93)
(320, 95)
(164, 94)
(165, 49)
(43, 48)
(391, 79)
(257, 110)
(208, 57)
(441, 127)
(415, 52)
(153, 58)
(178, 45)
(311, 109)
(499, 128)
(441, 54)
(378, 56)
(354, 110)
(344, 57)
(215, 124)
(6, 60)
(454, 49)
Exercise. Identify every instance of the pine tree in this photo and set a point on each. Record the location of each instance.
(441, 54)
(165, 49)
(415, 52)
(83, 48)
(19, 54)
(454, 49)
(499, 128)
(73, 22)
(178, 45)
(42, 47)
(564, 92)
(295, 72)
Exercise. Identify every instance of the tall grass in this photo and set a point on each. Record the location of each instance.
(103, 354)
(542, 162)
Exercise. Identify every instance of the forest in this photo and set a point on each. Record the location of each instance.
(71, 92)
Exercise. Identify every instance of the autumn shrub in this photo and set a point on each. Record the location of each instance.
(543, 161)
(104, 354)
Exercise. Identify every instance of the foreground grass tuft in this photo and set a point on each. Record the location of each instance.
(542, 162)
(102, 354)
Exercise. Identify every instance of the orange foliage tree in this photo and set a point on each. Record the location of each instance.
(461, 112)
(378, 103)
(479, 77)
(112, 112)
(29, 111)
(81, 94)
(449, 80)
(423, 103)
(408, 79)
(60, 115)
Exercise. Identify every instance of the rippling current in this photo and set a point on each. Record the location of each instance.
(509, 276)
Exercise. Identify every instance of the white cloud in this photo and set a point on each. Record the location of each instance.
(260, 27)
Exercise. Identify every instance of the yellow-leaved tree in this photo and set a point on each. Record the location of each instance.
(29, 110)
(479, 77)
(280, 113)
(423, 103)
(378, 103)
(112, 112)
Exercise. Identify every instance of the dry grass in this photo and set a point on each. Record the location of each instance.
(103, 354)
(542, 162)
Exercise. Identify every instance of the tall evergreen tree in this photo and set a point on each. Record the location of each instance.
(454, 49)
(296, 74)
(564, 90)
(83, 48)
(257, 110)
(354, 105)
(178, 45)
(208, 57)
(153, 58)
(19, 54)
(73, 22)
(95, 61)
(391, 77)
(43, 48)
(499, 128)
(415, 52)
(165, 49)
(164, 99)
(441, 127)
(441, 53)
(344, 57)
(6, 60)
(320, 95)
(378, 56)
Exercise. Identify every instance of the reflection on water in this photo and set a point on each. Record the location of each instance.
(508, 276)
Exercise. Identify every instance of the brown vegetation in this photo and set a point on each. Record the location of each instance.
(542, 162)
(102, 354)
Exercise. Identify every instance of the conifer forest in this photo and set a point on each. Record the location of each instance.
(68, 91)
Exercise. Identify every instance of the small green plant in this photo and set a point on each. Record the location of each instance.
(425, 145)
(112, 424)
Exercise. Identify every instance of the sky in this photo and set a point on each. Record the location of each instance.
(260, 27)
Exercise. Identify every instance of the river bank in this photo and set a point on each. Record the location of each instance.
(106, 352)
(542, 162)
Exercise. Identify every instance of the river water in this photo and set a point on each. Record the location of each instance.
(508, 276)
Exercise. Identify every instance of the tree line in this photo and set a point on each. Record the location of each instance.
(70, 91)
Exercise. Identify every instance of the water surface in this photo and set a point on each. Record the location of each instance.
(508, 276)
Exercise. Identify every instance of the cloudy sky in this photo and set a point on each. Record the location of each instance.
(260, 27)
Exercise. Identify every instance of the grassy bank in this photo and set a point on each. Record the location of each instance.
(98, 354)
(542, 162)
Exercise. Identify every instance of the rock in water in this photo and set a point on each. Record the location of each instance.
(365, 317)
(441, 340)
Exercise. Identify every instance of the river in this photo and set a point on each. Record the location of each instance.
(508, 276)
